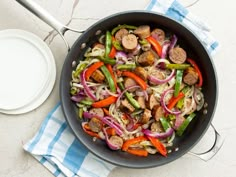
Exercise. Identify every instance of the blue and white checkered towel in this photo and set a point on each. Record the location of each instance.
(56, 147)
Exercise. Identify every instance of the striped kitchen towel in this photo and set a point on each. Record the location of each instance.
(55, 146)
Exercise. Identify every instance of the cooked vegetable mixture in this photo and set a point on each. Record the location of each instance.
(136, 90)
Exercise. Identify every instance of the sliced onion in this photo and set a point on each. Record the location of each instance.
(199, 98)
(88, 115)
(107, 120)
(130, 125)
(178, 121)
(109, 143)
(163, 135)
(121, 55)
(165, 49)
(142, 93)
(86, 88)
(135, 51)
(160, 81)
(173, 42)
(163, 96)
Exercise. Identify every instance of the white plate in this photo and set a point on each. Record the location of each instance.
(27, 71)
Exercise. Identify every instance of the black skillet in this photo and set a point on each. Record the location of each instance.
(186, 39)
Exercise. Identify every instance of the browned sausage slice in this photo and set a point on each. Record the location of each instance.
(177, 55)
(156, 127)
(190, 76)
(146, 116)
(95, 124)
(158, 112)
(117, 141)
(129, 42)
(158, 34)
(97, 111)
(141, 72)
(141, 102)
(152, 102)
(128, 82)
(127, 105)
(98, 76)
(146, 58)
(143, 31)
(120, 34)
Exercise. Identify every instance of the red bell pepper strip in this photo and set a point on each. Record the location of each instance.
(138, 152)
(103, 103)
(155, 44)
(173, 101)
(133, 76)
(195, 66)
(132, 141)
(158, 145)
(106, 111)
(92, 68)
(112, 52)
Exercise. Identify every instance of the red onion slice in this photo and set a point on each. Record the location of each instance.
(163, 135)
(87, 90)
(109, 143)
(173, 42)
(163, 96)
(160, 81)
(165, 48)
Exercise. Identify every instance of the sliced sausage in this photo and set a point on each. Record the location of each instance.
(152, 101)
(141, 72)
(143, 31)
(95, 124)
(190, 76)
(129, 42)
(127, 105)
(98, 76)
(158, 34)
(120, 34)
(128, 82)
(157, 74)
(146, 58)
(156, 127)
(177, 55)
(117, 141)
(97, 111)
(157, 112)
(99, 45)
(141, 102)
(146, 116)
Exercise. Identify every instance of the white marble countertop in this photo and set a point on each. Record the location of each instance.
(15, 130)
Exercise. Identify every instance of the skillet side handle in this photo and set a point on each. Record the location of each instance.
(45, 16)
(213, 150)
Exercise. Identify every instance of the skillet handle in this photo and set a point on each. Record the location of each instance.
(213, 150)
(46, 17)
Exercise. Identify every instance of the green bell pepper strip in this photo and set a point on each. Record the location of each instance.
(117, 45)
(80, 113)
(109, 79)
(185, 124)
(114, 30)
(80, 69)
(129, 97)
(180, 103)
(107, 60)
(165, 124)
(143, 42)
(73, 91)
(177, 66)
(126, 67)
(86, 102)
(178, 81)
(108, 43)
